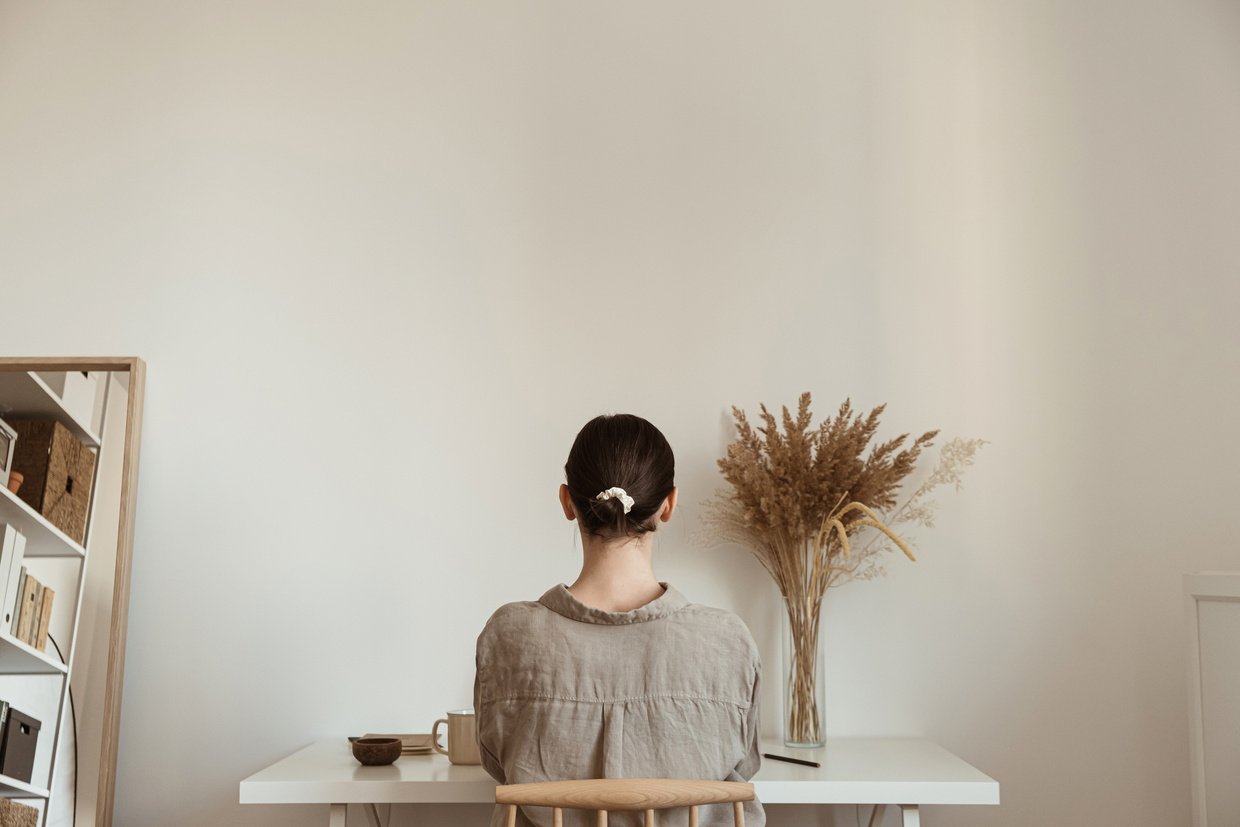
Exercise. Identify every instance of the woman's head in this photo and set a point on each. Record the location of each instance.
(619, 451)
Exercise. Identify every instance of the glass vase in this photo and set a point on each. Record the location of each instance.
(804, 685)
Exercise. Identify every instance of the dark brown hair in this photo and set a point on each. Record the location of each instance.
(619, 451)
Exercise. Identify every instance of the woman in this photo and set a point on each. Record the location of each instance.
(617, 675)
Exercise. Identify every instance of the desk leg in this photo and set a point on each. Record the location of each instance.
(337, 815)
(912, 816)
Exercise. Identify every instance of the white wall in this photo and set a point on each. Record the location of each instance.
(384, 259)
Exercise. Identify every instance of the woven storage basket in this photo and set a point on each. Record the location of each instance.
(14, 814)
(59, 471)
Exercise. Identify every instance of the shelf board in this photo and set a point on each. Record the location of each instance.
(42, 538)
(17, 658)
(25, 394)
(13, 788)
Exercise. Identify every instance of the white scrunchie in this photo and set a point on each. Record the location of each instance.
(620, 494)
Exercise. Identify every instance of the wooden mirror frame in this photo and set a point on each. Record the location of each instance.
(114, 685)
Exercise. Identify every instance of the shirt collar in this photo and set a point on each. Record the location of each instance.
(561, 601)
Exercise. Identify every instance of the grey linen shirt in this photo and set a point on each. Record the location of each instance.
(668, 690)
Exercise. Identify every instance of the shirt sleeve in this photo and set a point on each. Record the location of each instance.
(483, 716)
(751, 732)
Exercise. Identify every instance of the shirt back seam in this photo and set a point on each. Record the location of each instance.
(534, 696)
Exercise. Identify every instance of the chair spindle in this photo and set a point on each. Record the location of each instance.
(650, 818)
(602, 818)
(738, 813)
(557, 817)
(693, 817)
(512, 815)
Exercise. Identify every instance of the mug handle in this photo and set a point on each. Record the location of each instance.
(435, 736)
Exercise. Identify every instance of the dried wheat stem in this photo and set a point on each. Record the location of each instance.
(899, 543)
(875, 522)
(824, 534)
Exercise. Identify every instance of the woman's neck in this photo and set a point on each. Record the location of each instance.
(616, 575)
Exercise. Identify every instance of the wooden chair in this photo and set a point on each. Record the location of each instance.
(631, 794)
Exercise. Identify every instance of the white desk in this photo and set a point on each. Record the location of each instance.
(904, 772)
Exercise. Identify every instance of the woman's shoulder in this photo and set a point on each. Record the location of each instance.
(515, 624)
(712, 621)
(507, 630)
(715, 614)
(518, 613)
(725, 618)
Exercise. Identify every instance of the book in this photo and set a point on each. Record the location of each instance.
(45, 618)
(410, 744)
(34, 617)
(17, 602)
(31, 589)
(8, 540)
(12, 550)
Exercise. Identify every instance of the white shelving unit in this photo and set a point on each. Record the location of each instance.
(25, 394)
(42, 538)
(12, 788)
(18, 658)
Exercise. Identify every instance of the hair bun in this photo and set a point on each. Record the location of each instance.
(609, 516)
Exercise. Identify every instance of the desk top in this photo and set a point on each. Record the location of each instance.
(854, 771)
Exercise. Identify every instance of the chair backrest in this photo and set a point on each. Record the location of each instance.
(604, 794)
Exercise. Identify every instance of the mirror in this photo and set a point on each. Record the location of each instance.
(69, 440)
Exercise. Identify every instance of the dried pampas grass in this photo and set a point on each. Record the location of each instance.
(798, 497)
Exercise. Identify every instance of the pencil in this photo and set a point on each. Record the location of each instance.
(800, 761)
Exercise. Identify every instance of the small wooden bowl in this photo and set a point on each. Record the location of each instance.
(374, 752)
